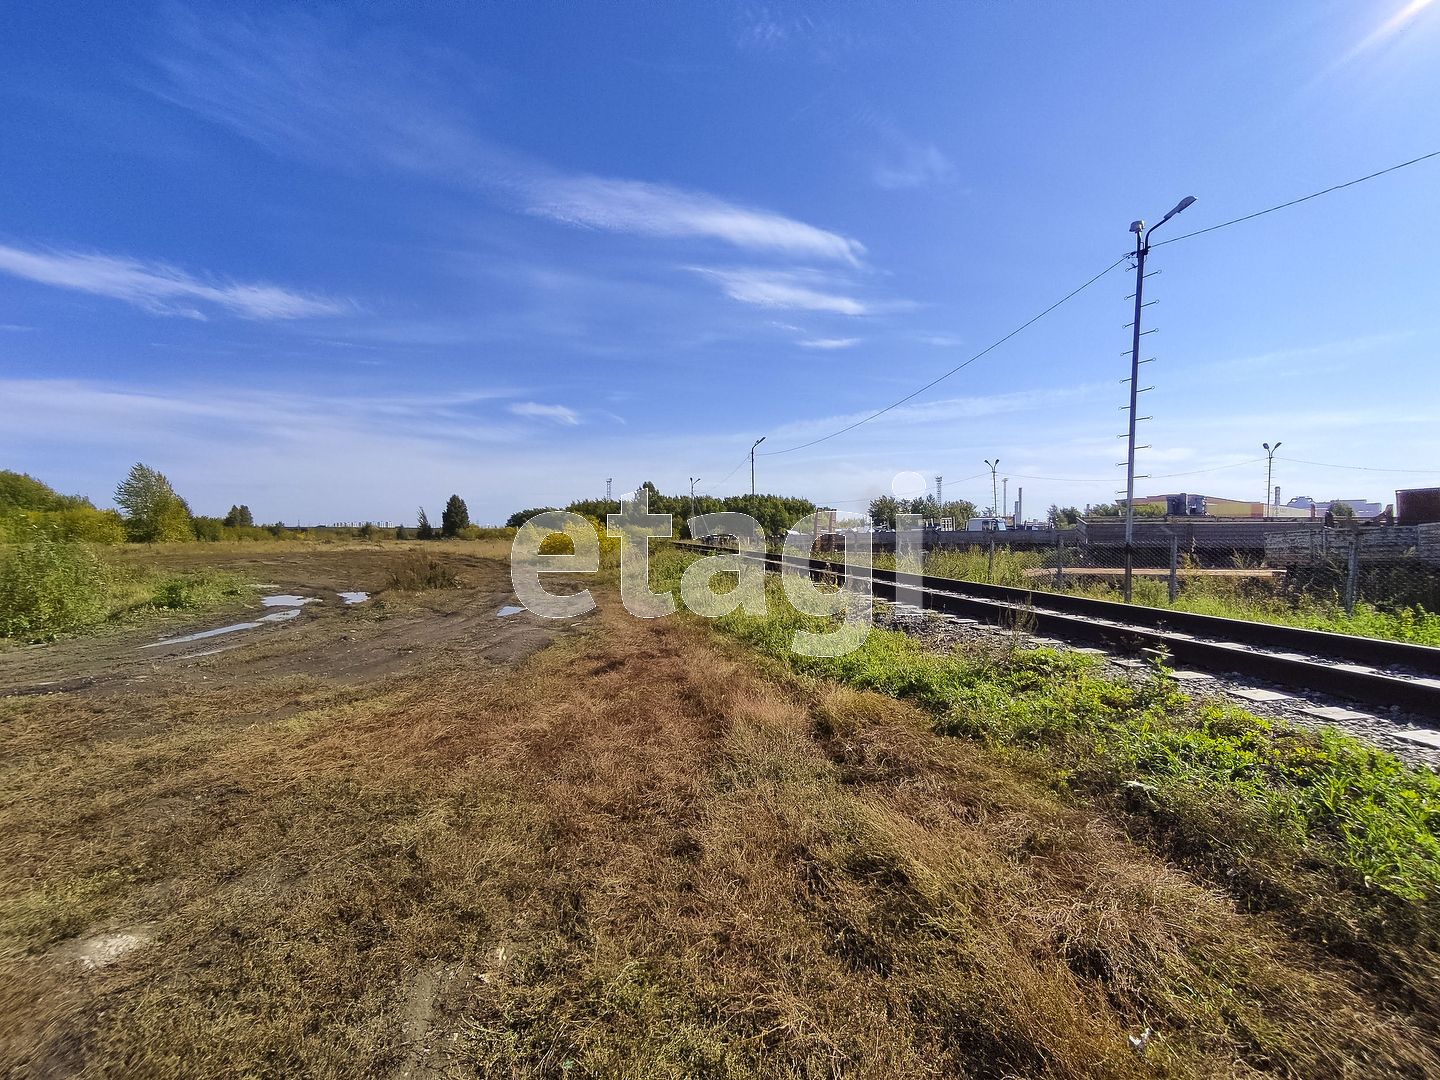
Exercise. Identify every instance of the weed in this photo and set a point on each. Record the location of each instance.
(418, 571)
(195, 590)
(48, 585)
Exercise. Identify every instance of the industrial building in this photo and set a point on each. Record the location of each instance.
(1187, 505)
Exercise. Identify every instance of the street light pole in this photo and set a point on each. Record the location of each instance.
(994, 490)
(1269, 474)
(1142, 248)
(693, 481)
(1004, 497)
(752, 463)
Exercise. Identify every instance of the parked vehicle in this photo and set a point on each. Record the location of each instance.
(985, 524)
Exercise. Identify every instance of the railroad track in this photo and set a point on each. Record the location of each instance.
(1369, 671)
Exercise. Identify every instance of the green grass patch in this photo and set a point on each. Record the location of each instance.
(48, 583)
(52, 584)
(1219, 785)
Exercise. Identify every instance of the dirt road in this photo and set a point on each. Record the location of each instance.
(331, 639)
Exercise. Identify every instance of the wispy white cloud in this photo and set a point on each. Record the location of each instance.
(558, 413)
(657, 210)
(783, 289)
(916, 166)
(290, 86)
(160, 289)
(830, 343)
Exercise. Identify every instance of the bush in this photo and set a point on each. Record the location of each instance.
(48, 584)
(195, 590)
(90, 525)
(417, 573)
(20, 491)
(82, 523)
(563, 544)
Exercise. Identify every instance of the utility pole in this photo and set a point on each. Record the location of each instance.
(693, 481)
(607, 487)
(994, 490)
(940, 492)
(1142, 248)
(752, 463)
(1269, 470)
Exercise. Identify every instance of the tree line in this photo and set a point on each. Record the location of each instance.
(885, 509)
(775, 513)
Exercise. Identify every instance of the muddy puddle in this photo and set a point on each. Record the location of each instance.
(509, 609)
(289, 608)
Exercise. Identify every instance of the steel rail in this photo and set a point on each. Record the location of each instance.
(1341, 665)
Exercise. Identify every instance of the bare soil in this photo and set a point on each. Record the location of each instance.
(349, 644)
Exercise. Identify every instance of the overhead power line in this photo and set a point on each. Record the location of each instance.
(732, 472)
(952, 371)
(1152, 476)
(1296, 202)
(1076, 291)
(1086, 285)
(1359, 468)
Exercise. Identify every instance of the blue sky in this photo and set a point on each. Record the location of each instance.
(335, 261)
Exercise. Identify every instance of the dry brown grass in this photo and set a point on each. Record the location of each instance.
(641, 854)
(418, 571)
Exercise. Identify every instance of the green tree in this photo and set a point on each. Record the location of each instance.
(239, 515)
(515, 520)
(424, 530)
(1063, 517)
(962, 510)
(20, 491)
(883, 509)
(454, 517)
(153, 512)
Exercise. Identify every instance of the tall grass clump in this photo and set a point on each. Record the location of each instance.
(184, 592)
(48, 584)
(418, 572)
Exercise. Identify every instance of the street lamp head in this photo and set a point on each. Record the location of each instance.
(1137, 226)
(1266, 445)
(1181, 205)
